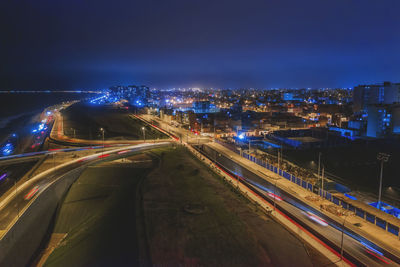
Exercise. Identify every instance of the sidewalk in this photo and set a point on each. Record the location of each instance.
(369, 231)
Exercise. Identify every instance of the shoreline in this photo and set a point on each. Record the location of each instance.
(18, 124)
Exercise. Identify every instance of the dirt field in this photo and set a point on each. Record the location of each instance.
(84, 121)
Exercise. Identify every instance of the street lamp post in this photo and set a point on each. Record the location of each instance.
(319, 165)
(383, 157)
(250, 145)
(187, 135)
(144, 134)
(102, 133)
(214, 130)
(322, 179)
(275, 194)
(341, 244)
(279, 160)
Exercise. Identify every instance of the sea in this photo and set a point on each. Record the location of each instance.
(19, 108)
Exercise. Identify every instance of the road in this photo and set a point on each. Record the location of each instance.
(12, 206)
(11, 173)
(189, 137)
(367, 253)
(14, 158)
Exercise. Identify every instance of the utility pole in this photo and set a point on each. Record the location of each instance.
(383, 158)
(279, 160)
(319, 166)
(275, 194)
(323, 170)
(341, 245)
(214, 128)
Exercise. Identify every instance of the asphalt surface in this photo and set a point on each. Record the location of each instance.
(367, 253)
(12, 173)
(10, 209)
(183, 134)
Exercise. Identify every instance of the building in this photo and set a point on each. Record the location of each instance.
(383, 120)
(136, 95)
(375, 94)
(288, 96)
(143, 94)
(204, 107)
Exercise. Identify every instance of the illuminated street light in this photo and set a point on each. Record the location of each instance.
(144, 134)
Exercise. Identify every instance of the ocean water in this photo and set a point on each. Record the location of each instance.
(15, 104)
(18, 109)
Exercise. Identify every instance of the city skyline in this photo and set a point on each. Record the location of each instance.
(94, 45)
(200, 133)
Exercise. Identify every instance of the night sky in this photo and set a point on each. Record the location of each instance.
(93, 44)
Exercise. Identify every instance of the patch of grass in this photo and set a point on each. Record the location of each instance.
(100, 218)
(221, 236)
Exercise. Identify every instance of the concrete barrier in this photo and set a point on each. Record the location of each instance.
(21, 242)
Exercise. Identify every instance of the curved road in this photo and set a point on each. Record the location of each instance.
(14, 204)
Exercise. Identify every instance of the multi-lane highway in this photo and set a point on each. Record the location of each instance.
(14, 204)
(190, 137)
(10, 173)
(356, 248)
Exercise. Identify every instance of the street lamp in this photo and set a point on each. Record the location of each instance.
(322, 179)
(319, 165)
(102, 132)
(144, 134)
(73, 131)
(249, 144)
(275, 194)
(281, 154)
(383, 157)
(341, 245)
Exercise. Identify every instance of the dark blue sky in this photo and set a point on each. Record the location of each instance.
(214, 43)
